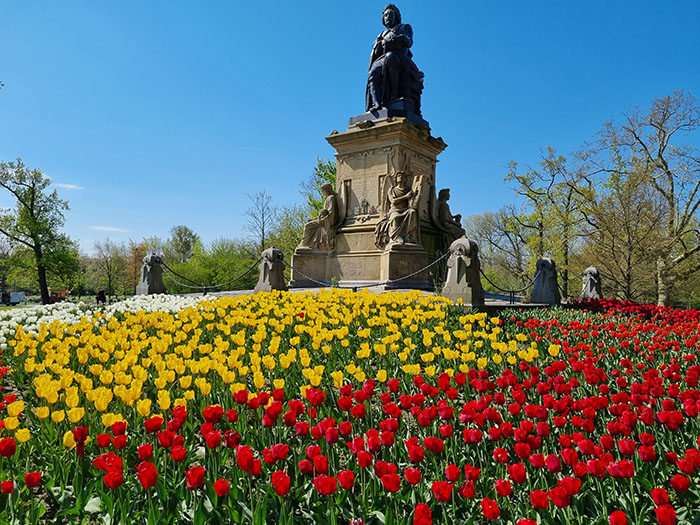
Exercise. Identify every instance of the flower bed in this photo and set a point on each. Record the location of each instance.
(348, 407)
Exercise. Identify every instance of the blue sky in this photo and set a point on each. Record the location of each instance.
(153, 114)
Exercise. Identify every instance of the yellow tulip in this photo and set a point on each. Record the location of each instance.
(11, 423)
(143, 407)
(68, 439)
(15, 409)
(42, 412)
(76, 414)
(58, 415)
(22, 435)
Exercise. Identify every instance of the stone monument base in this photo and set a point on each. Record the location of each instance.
(396, 108)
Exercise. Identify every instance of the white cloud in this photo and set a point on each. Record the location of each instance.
(108, 229)
(68, 186)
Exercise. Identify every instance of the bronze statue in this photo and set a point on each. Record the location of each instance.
(393, 76)
(319, 233)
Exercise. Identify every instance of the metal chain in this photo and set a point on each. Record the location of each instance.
(510, 291)
(204, 288)
(382, 283)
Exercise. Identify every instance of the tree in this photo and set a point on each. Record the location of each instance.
(135, 252)
(624, 219)
(648, 143)
(181, 243)
(261, 218)
(554, 203)
(110, 263)
(35, 221)
(324, 172)
(502, 246)
(5, 263)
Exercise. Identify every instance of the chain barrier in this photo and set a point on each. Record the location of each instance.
(203, 287)
(382, 283)
(511, 293)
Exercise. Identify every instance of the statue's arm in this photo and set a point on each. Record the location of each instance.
(403, 38)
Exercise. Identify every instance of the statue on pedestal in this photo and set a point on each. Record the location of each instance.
(319, 233)
(400, 223)
(393, 76)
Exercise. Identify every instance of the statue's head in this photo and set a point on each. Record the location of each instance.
(444, 194)
(327, 189)
(400, 178)
(391, 16)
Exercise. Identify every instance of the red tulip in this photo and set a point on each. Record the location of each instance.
(517, 473)
(212, 414)
(325, 485)
(281, 482)
(8, 447)
(346, 478)
(679, 483)
(7, 487)
(539, 499)
(114, 479)
(147, 474)
(442, 490)
(452, 473)
(153, 424)
(178, 453)
(503, 487)
(145, 451)
(422, 515)
(490, 509)
(391, 482)
(32, 479)
(618, 518)
(660, 496)
(103, 440)
(195, 477)
(665, 515)
(412, 475)
(221, 487)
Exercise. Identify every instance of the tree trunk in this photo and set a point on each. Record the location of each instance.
(662, 291)
(41, 273)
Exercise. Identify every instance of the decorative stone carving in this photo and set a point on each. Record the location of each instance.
(393, 76)
(271, 271)
(151, 276)
(545, 289)
(319, 233)
(592, 288)
(463, 273)
(400, 222)
(442, 217)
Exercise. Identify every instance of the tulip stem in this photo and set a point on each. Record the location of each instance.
(634, 504)
(602, 496)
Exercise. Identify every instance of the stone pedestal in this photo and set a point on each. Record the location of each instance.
(368, 154)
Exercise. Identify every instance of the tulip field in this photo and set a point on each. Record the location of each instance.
(348, 408)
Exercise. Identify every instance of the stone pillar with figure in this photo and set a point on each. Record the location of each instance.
(389, 223)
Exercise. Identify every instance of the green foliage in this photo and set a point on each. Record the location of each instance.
(34, 223)
(324, 172)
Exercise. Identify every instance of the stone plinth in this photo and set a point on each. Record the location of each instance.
(369, 154)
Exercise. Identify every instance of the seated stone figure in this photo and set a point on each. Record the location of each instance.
(450, 224)
(319, 233)
(400, 224)
(392, 72)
